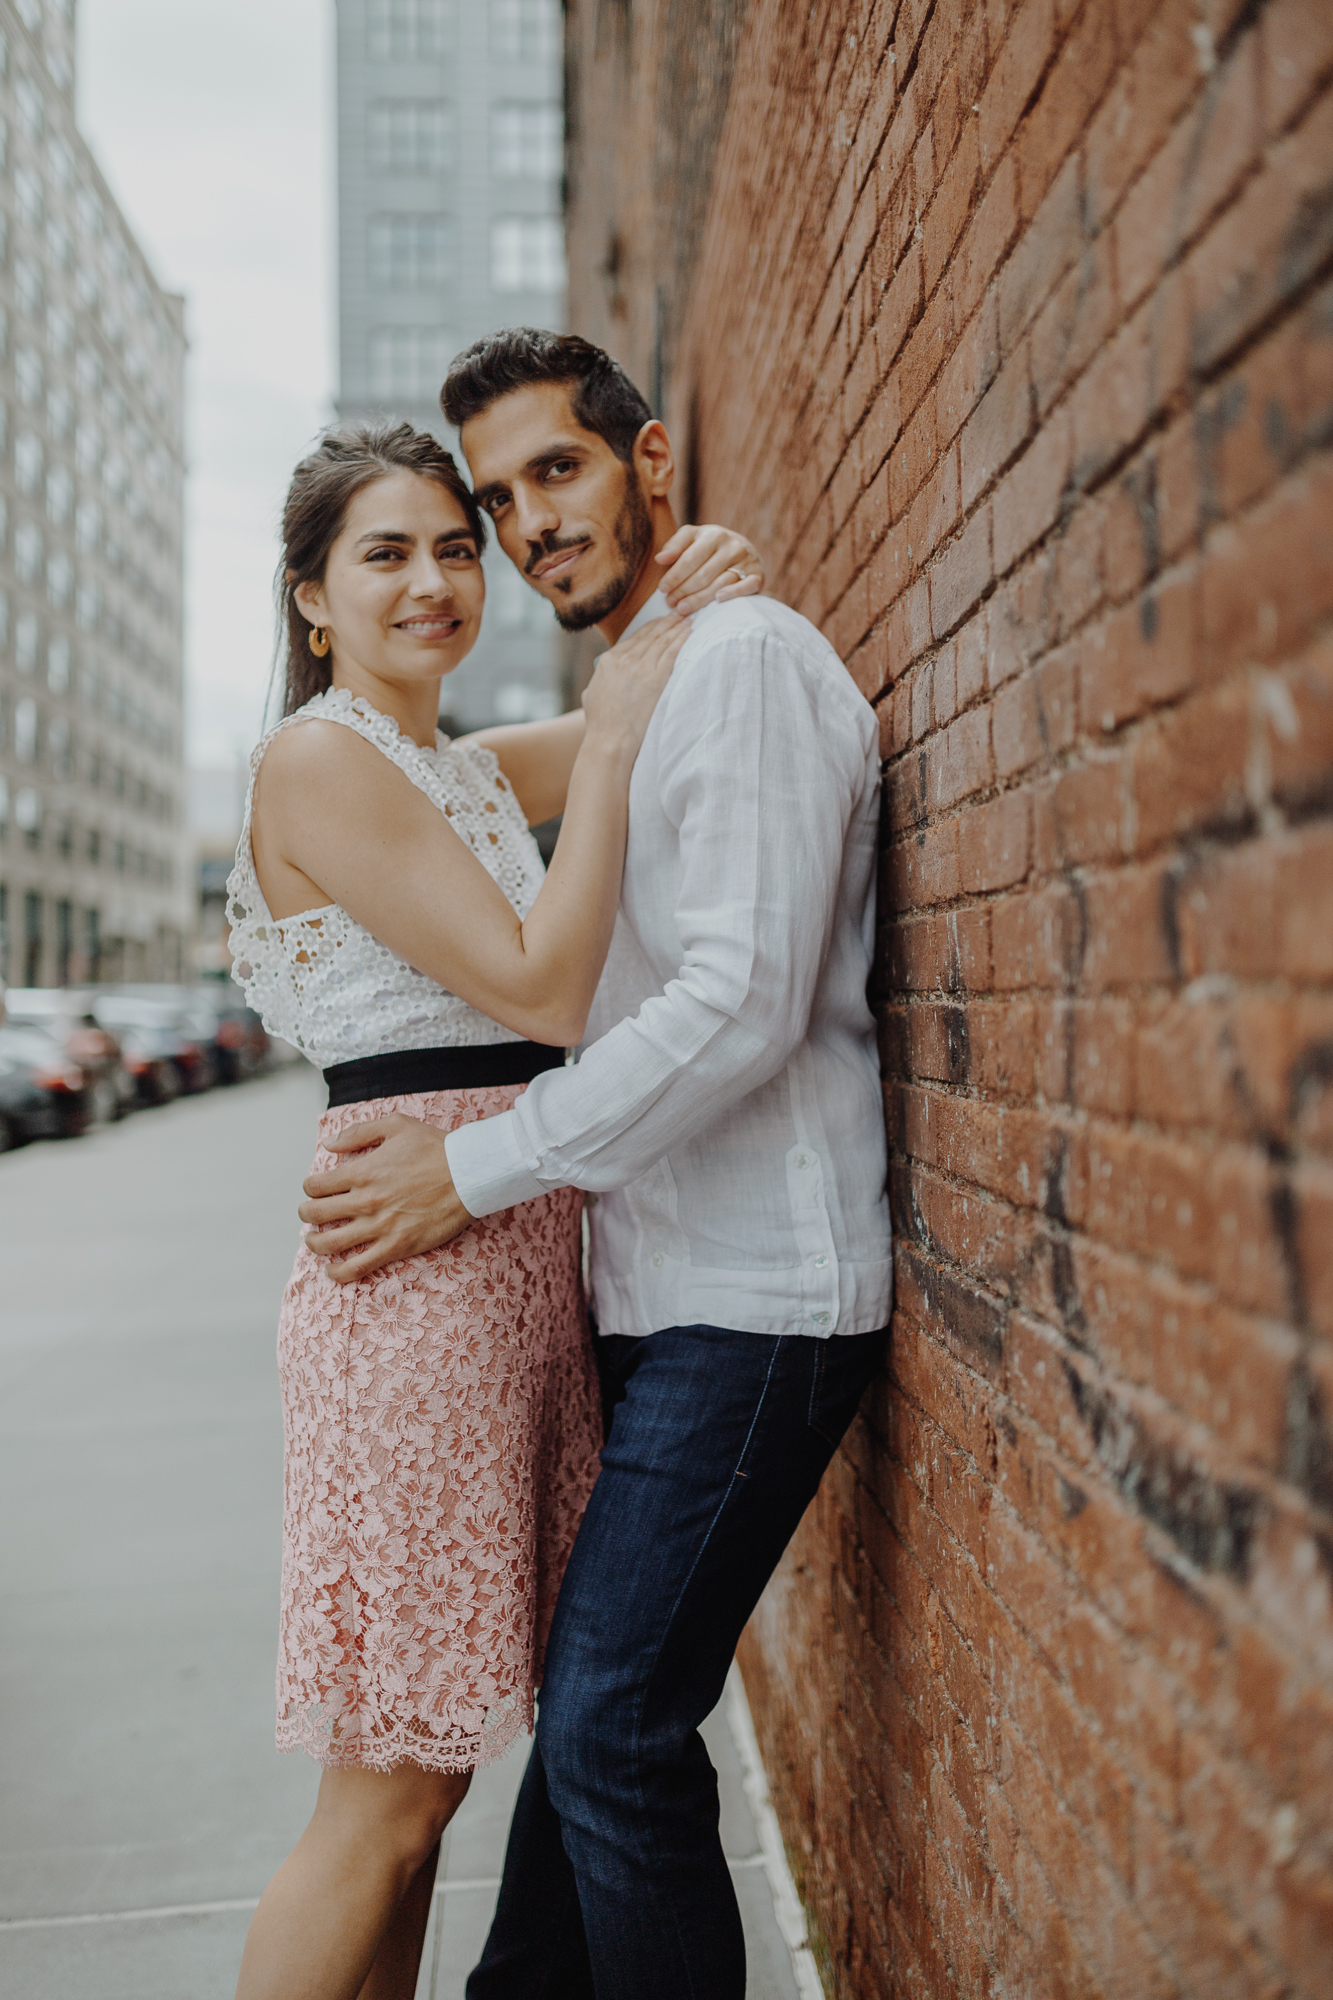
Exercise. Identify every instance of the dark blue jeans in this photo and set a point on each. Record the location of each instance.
(615, 1886)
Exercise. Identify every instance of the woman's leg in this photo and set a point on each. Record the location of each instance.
(327, 1913)
(393, 1976)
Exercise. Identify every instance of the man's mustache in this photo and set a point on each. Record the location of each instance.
(543, 551)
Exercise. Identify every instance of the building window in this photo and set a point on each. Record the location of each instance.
(409, 30)
(25, 730)
(525, 30)
(57, 665)
(59, 749)
(59, 329)
(92, 944)
(28, 375)
(528, 254)
(32, 938)
(28, 285)
(29, 461)
(4, 806)
(59, 495)
(409, 362)
(59, 412)
(28, 819)
(410, 136)
(25, 643)
(526, 141)
(28, 195)
(64, 940)
(28, 551)
(28, 100)
(59, 579)
(411, 252)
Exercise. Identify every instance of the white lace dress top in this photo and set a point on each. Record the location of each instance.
(319, 979)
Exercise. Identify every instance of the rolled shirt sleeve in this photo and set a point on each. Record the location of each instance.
(760, 787)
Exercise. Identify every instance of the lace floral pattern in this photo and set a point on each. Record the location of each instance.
(322, 981)
(442, 1429)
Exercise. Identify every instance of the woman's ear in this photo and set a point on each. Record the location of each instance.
(309, 600)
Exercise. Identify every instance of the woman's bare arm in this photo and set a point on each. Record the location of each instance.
(538, 760)
(333, 815)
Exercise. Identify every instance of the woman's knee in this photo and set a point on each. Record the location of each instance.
(402, 1812)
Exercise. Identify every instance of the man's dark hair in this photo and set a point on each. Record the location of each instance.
(601, 395)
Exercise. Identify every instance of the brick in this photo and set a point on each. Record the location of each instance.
(1067, 289)
(993, 844)
(1265, 584)
(1138, 658)
(1022, 57)
(1266, 907)
(1296, 49)
(996, 429)
(961, 574)
(1073, 324)
(1267, 245)
(1028, 499)
(968, 373)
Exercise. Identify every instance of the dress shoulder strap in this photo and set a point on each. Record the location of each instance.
(340, 705)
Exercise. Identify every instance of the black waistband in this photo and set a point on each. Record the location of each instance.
(404, 1072)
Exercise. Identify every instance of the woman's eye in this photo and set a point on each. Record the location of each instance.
(384, 555)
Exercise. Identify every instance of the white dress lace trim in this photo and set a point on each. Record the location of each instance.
(319, 979)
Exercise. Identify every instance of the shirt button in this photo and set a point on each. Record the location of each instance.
(803, 1160)
(657, 1256)
(821, 1319)
(820, 1263)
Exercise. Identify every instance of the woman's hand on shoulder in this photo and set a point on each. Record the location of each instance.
(709, 565)
(627, 683)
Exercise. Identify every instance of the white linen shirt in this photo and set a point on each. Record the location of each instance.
(726, 1109)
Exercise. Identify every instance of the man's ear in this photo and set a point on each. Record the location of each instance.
(654, 460)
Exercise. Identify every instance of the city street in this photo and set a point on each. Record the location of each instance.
(142, 1802)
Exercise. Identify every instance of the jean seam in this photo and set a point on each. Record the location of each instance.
(669, 1621)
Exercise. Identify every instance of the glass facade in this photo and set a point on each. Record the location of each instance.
(450, 154)
(93, 878)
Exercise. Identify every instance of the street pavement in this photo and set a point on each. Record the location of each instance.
(142, 1803)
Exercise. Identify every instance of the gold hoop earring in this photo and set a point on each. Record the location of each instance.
(319, 641)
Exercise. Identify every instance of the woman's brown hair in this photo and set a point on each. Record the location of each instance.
(323, 486)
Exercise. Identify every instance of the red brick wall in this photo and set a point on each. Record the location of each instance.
(1007, 331)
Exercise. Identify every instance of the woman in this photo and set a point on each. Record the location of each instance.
(391, 918)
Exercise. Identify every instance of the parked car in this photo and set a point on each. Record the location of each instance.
(158, 1058)
(43, 1095)
(212, 1015)
(66, 1013)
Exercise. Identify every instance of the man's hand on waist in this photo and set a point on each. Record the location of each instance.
(390, 1196)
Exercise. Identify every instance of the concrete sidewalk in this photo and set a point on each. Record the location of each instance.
(142, 1803)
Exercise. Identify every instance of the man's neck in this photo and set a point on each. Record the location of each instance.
(648, 580)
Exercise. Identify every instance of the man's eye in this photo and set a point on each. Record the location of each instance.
(496, 504)
(561, 467)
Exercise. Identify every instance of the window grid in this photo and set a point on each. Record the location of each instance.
(409, 362)
(411, 252)
(409, 30)
(526, 141)
(528, 254)
(525, 30)
(410, 136)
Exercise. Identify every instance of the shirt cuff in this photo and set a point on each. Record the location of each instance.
(488, 1169)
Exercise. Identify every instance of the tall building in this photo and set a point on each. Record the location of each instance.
(94, 875)
(450, 141)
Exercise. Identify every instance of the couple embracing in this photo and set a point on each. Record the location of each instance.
(483, 1497)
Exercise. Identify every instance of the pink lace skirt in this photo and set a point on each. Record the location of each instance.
(442, 1429)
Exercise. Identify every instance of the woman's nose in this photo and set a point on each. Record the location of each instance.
(430, 580)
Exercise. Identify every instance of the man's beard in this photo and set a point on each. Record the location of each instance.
(634, 539)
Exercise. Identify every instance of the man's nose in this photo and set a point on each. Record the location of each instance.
(535, 514)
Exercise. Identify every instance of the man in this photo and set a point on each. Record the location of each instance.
(725, 1117)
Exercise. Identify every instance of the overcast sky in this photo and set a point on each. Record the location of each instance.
(213, 124)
